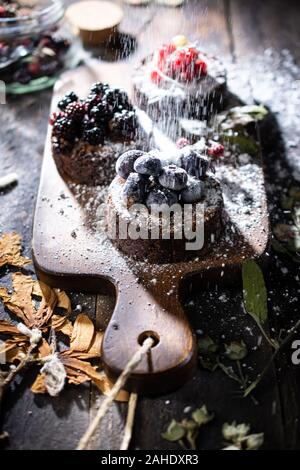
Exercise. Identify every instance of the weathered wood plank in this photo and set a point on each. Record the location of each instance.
(273, 58)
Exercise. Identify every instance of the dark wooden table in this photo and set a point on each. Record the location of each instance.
(257, 40)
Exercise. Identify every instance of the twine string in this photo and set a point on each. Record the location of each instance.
(119, 384)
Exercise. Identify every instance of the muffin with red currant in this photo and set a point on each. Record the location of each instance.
(179, 81)
(89, 135)
(163, 208)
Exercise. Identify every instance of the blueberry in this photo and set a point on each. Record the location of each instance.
(193, 191)
(159, 196)
(125, 163)
(135, 187)
(148, 165)
(173, 177)
(194, 163)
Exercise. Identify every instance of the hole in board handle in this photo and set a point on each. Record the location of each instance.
(148, 334)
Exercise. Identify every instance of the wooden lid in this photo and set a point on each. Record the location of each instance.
(94, 20)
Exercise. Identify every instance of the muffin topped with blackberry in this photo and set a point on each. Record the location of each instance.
(89, 135)
(154, 192)
(179, 80)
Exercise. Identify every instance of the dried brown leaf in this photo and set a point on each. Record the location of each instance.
(61, 323)
(14, 349)
(8, 328)
(83, 333)
(21, 302)
(38, 385)
(44, 349)
(105, 385)
(10, 251)
(79, 371)
(95, 346)
(63, 300)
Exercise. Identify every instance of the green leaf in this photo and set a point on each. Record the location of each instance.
(209, 363)
(254, 292)
(294, 193)
(278, 247)
(191, 437)
(202, 416)
(284, 232)
(206, 345)
(239, 117)
(245, 143)
(236, 350)
(208, 353)
(256, 111)
(175, 432)
(287, 203)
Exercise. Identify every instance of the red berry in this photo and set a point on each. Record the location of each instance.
(155, 77)
(170, 48)
(216, 150)
(33, 68)
(2, 11)
(200, 67)
(182, 142)
(193, 52)
(54, 117)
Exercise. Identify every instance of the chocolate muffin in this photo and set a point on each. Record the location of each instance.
(162, 212)
(89, 135)
(179, 81)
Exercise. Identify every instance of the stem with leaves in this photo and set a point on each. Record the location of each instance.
(287, 339)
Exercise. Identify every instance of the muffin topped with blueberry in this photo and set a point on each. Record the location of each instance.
(179, 80)
(153, 182)
(89, 135)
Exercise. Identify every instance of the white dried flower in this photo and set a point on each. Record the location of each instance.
(55, 375)
(35, 334)
(233, 432)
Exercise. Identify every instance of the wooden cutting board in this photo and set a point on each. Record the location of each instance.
(71, 252)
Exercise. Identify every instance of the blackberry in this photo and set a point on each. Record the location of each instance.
(92, 100)
(101, 112)
(88, 124)
(65, 127)
(117, 99)
(75, 111)
(99, 88)
(67, 99)
(94, 136)
(124, 124)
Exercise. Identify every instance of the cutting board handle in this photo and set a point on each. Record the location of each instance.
(139, 313)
